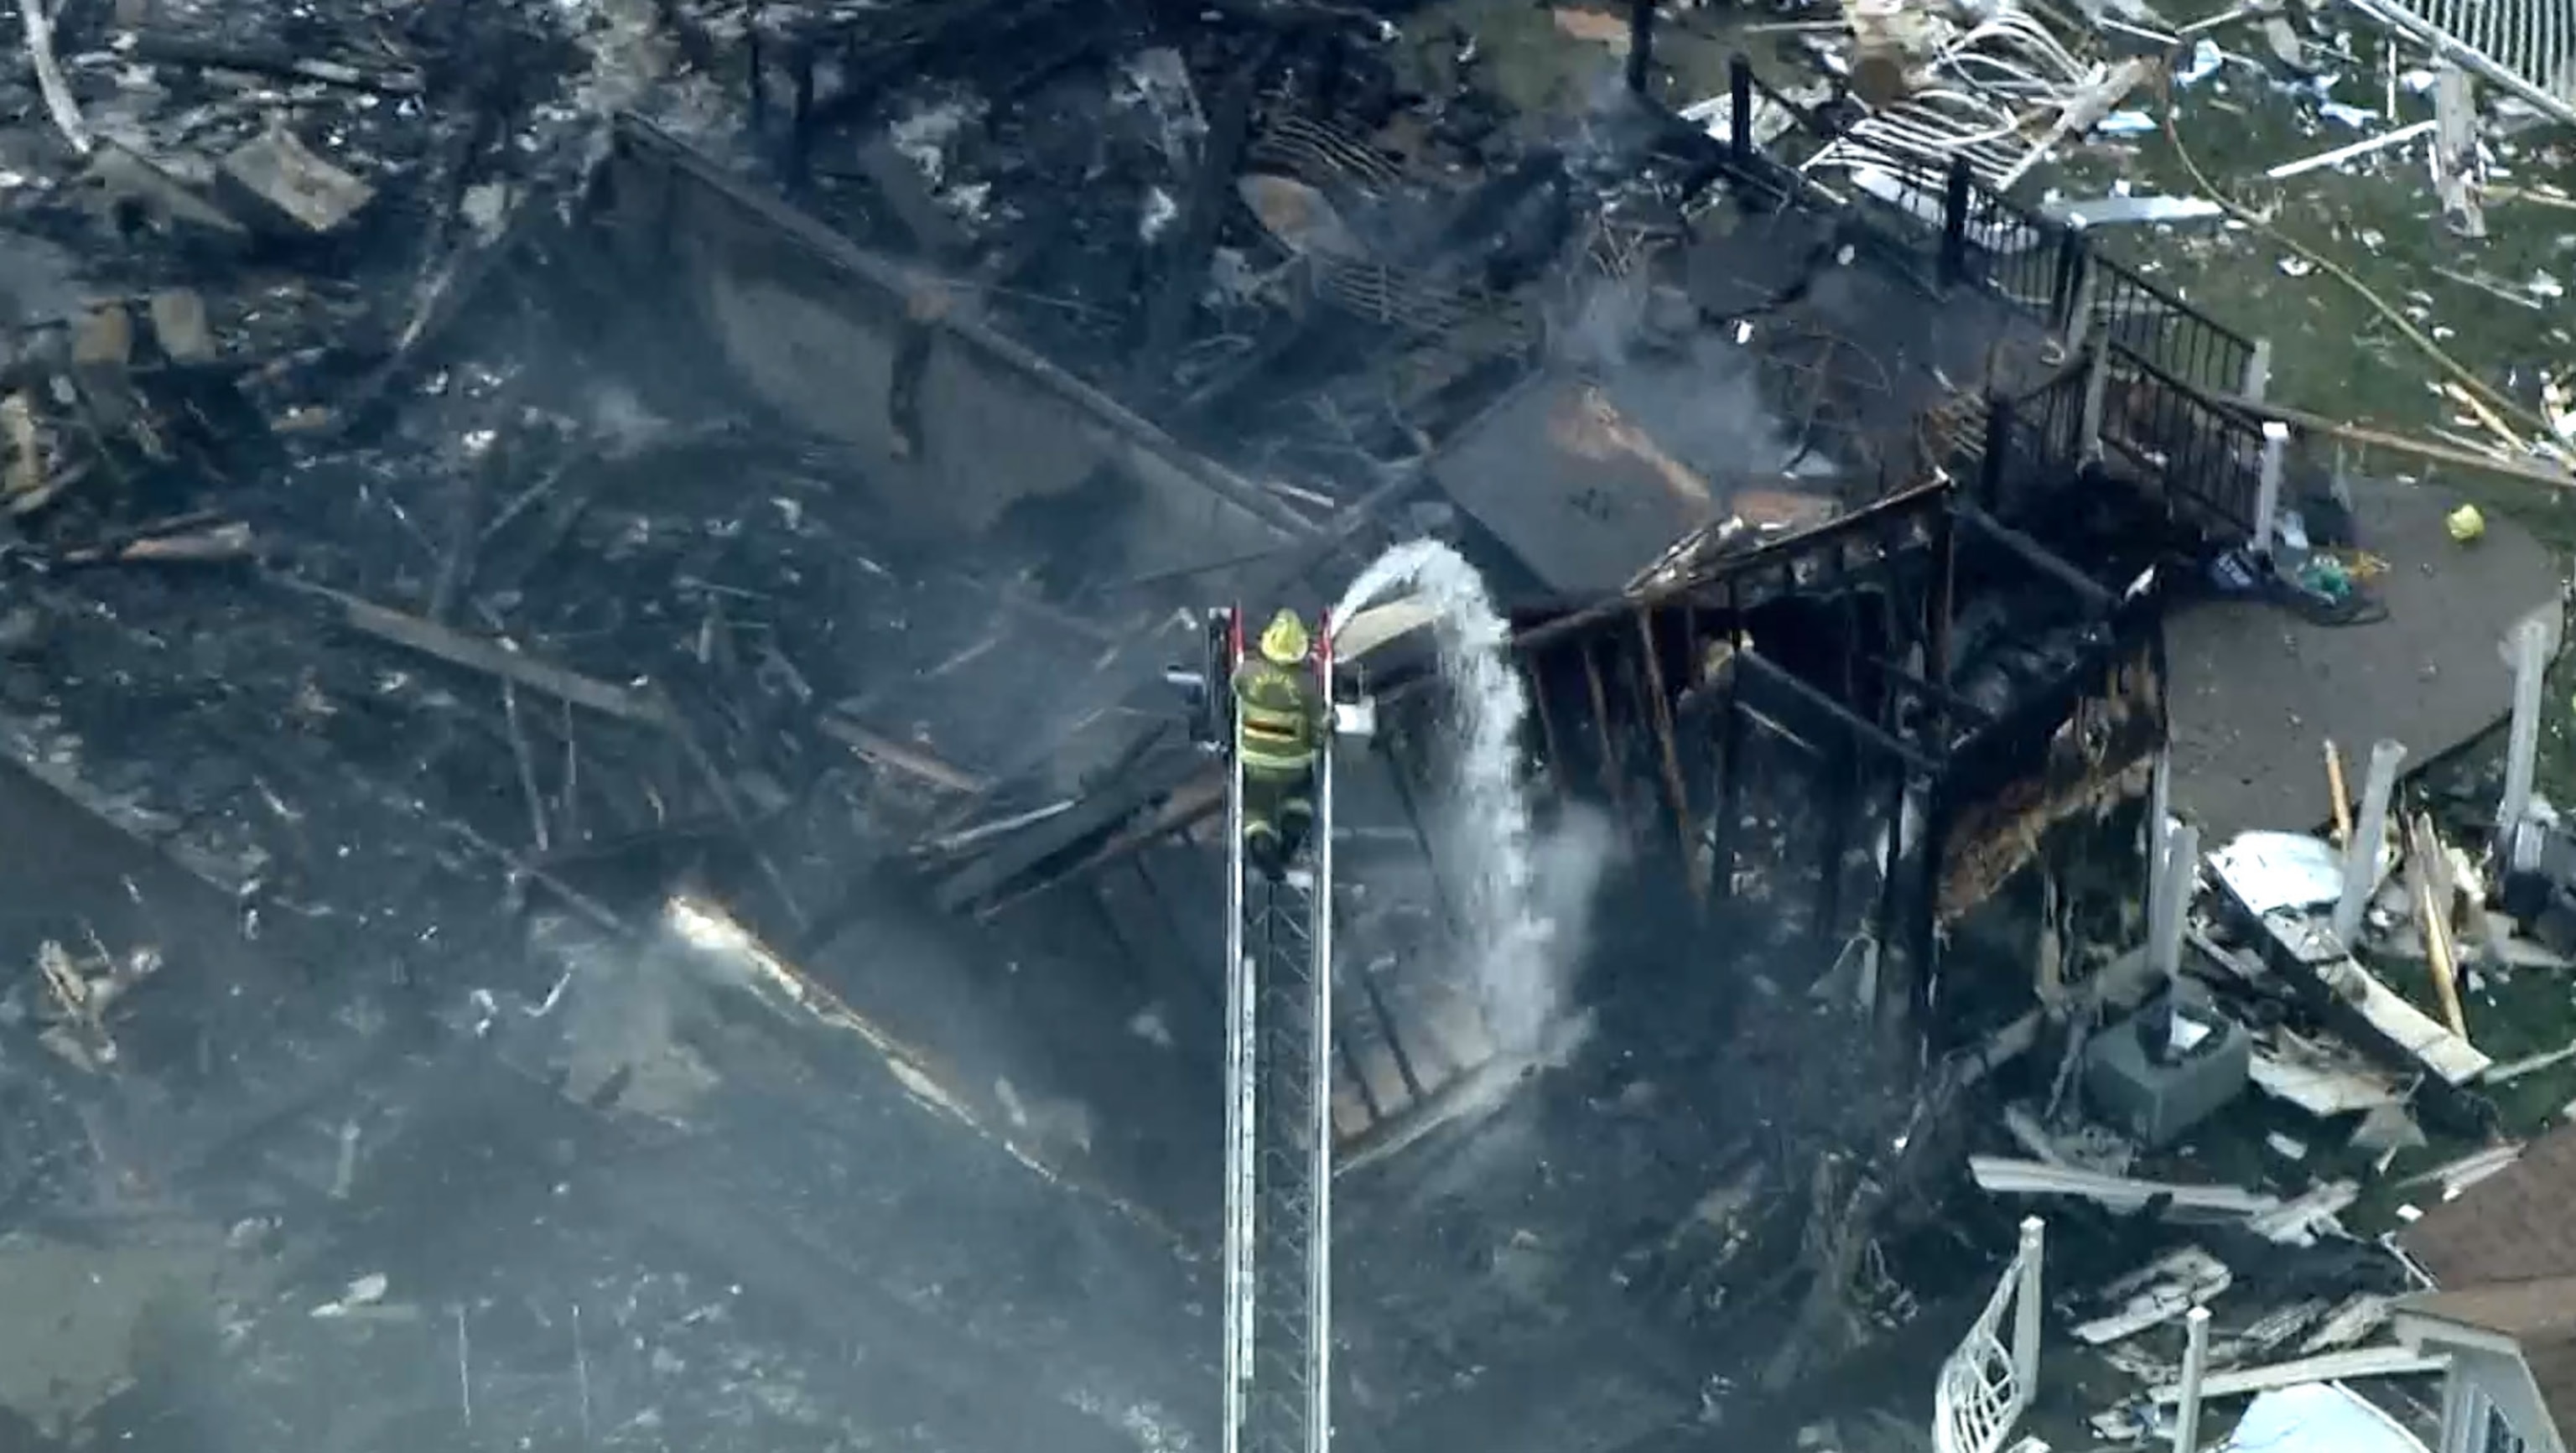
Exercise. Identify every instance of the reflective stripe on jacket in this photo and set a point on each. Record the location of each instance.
(1279, 711)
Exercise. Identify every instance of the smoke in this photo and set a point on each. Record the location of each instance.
(1525, 897)
(1696, 391)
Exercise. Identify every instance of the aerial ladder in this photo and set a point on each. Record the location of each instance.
(1279, 1141)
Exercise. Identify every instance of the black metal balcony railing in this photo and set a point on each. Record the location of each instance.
(2168, 362)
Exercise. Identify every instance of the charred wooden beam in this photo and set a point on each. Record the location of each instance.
(2096, 597)
(1729, 805)
(1156, 799)
(470, 502)
(684, 732)
(1844, 776)
(755, 55)
(1932, 693)
(1413, 1087)
(796, 164)
(1641, 44)
(1611, 785)
(1880, 518)
(1883, 912)
(1661, 705)
(1546, 727)
(2098, 751)
(1997, 456)
(488, 657)
(1861, 728)
(1167, 315)
(1908, 986)
(1349, 1058)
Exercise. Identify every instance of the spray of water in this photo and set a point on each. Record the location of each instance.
(1520, 895)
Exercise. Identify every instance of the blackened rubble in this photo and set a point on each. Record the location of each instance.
(337, 573)
(640, 594)
(561, 602)
(1493, 1279)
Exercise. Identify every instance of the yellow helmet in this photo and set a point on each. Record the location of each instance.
(2465, 523)
(1284, 641)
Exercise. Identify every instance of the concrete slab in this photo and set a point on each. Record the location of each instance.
(2257, 690)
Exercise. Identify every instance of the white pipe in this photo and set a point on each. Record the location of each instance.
(2159, 829)
(2342, 154)
(2181, 863)
(2522, 751)
(2195, 1366)
(2027, 1310)
(2267, 493)
(2369, 832)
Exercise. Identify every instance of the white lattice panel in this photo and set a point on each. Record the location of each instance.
(1983, 1392)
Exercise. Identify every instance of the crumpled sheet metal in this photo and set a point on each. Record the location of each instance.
(2527, 47)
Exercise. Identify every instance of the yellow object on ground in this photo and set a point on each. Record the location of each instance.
(2465, 523)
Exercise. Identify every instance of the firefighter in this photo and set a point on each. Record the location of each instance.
(1282, 713)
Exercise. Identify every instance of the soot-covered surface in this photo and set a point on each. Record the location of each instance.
(642, 1213)
(837, 593)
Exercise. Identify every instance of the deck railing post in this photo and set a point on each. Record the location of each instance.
(2522, 744)
(1739, 108)
(1641, 44)
(2267, 488)
(2027, 1309)
(2369, 831)
(2195, 1366)
(1956, 193)
(2072, 301)
(2257, 380)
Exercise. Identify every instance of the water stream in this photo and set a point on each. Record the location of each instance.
(1521, 898)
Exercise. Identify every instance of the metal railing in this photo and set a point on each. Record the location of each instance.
(2179, 341)
(1987, 1381)
(2001, 245)
(2168, 358)
(2210, 459)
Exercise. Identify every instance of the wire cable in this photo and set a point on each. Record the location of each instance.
(2459, 372)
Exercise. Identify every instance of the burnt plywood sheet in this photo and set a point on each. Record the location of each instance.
(1587, 482)
(1900, 347)
(2257, 691)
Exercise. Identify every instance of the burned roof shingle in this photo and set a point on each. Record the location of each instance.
(2505, 1256)
(2513, 1227)
(2538, 1311)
